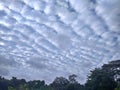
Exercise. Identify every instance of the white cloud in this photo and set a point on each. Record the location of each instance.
(67, 36)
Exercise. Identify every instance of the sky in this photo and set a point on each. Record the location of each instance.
(44, 39)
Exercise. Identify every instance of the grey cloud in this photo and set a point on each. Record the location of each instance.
(64, 41)
(7, 62)
(16, 5)
(38, 63)
(67, 36)
(4, 71)
(2, 13)
(4, 28)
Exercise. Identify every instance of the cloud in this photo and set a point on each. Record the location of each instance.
(2, 13)
(3, 71)
(61, 40)
(6, 64)
(57, 37)
(38, 63)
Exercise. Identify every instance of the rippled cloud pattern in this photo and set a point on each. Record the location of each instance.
(42, 39)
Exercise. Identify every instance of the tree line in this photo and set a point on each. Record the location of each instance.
(105, 78)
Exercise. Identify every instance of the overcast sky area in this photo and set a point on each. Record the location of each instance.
(43, 39)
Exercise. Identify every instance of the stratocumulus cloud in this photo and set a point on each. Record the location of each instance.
(42, 39)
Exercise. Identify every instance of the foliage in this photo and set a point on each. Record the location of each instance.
(10, 88)
(118, 87)
(100, 80)
(72, 79)
(105, 78)
(59, 83)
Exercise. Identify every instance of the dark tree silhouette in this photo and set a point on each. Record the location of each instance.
(100, 80)
(105, 78)
(59, 83)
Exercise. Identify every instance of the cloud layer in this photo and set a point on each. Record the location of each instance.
(42, 39)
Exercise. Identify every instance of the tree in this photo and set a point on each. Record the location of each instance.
(46, 88)
(23, 87)
(104, 78)
(100, 80)
(3, 84)
(114, 68)
(74, 87)
(72, 79)
(11, 88)
(59, 83)
(118, 87)
(35, 84)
